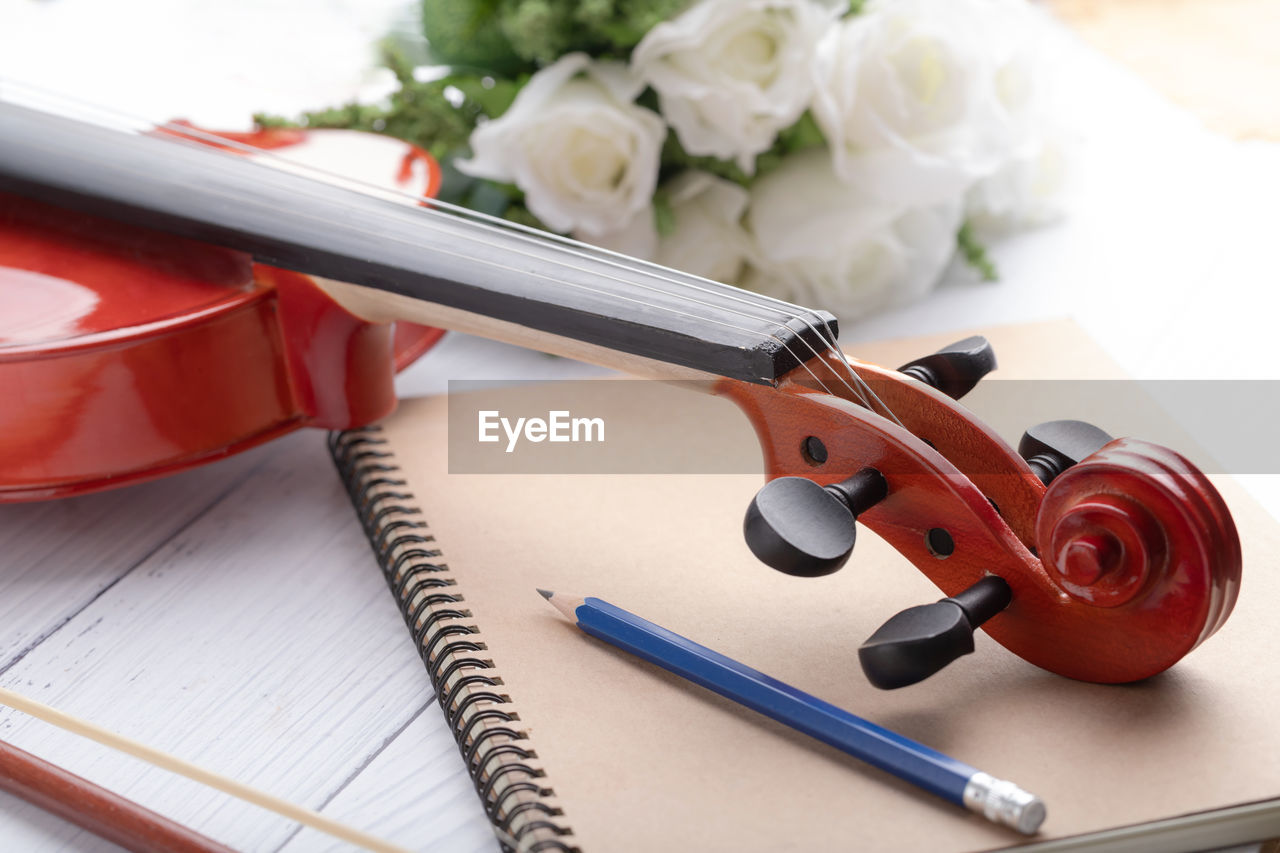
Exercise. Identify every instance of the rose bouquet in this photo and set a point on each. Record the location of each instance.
(834, 154)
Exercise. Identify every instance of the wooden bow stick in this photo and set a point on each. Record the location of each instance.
(94, 808)
(95, 812)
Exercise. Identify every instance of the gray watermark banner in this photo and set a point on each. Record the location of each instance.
(634, 426)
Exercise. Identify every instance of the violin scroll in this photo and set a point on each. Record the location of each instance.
(1137, 526)
(1125, 562)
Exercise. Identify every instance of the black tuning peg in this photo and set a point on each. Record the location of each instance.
(801, 528)
(955, 368)
(919, 641)
(1054, 446)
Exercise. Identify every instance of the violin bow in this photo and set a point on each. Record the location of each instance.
(95, 809)
(126, 823)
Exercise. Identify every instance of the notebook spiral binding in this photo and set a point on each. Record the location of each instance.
(496, 753)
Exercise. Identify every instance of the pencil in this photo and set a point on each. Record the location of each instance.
(995, 799)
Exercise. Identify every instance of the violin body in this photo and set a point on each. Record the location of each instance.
(128, 353)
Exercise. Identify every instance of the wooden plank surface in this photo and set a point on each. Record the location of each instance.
(234, 616)
(50, 575)
(254, 637)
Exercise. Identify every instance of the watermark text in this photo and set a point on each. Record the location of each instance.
(558, 426)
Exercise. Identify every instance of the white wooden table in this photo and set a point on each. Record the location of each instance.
(233, 615)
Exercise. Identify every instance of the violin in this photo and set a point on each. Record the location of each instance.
(1100, 559)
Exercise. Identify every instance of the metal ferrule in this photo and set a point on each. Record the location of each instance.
(1003, 802)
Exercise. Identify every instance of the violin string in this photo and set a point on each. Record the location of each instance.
(575, 248)
(865, 394)
(222, 142)
(834, 347)
(490, 223)
(494, 223)
(581, 250)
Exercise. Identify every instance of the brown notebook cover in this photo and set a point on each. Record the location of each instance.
(575, 743)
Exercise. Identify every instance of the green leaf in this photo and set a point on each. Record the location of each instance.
(491, 198)
(805, 133)
(542, 31)
(454, 185)
(675, 160)
(519, 213)
(468, 32)
(664, 218)
(975, 254)
(801, 135)
(493, 95)
(623, 23)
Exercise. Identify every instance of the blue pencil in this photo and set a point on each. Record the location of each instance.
(999, 801)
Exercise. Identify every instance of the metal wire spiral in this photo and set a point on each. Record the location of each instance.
(451, 650)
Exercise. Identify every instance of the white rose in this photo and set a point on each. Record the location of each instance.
(731, 73)
(1026, 191)
(823, 243)
(1026, 188)
(708, 239)
(908, 99)
(585, 156)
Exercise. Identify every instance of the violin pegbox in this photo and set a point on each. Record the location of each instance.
(1115, 558)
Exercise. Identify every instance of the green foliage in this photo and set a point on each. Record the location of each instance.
(491, 48)
(664, 217)
(975, 254)
(508, 36)
(805, 133)
(622, 23)
(423, 114)
(536, 28)
(541, 31)
(520, 214)
(468, 33)
(489, 197)
(801, 135)
(675, 160)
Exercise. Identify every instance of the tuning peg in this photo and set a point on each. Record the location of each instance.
(1052, 447)
(919, 641)
(955, 368)
(801, 528)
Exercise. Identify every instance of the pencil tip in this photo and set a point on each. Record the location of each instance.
(566, 604)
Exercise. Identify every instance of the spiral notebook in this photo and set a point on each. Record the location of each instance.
(575, 745)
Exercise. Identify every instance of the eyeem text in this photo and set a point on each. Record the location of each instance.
(559, 426)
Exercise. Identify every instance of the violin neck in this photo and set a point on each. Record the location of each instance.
(424, 264)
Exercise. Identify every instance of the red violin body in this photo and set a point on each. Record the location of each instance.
(127, 353)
